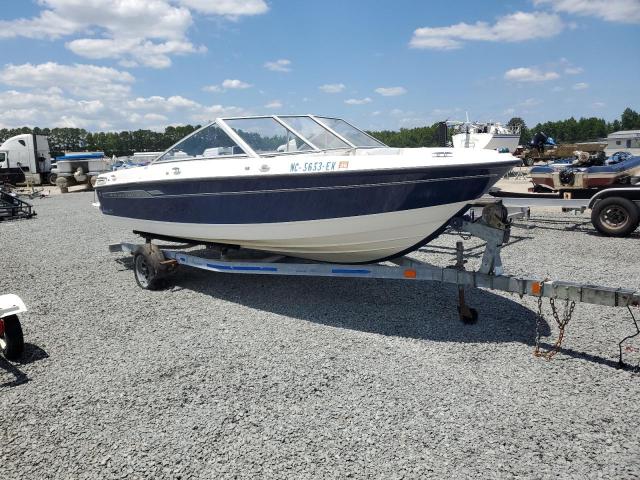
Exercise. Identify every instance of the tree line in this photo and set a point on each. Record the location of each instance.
(562, 131)
(126, 142)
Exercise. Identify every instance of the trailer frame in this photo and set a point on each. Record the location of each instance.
(153, 264)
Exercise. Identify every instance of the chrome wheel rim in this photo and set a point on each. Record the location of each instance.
(615, 217)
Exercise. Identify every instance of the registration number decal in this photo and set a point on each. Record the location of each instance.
(313, 167)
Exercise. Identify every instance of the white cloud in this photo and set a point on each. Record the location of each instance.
(573, 70)
(517, 27)
(529, 74)
(530, 102)
(232, 8)
(213, 89)
(282, 65)
(91, 97)
(88, 81)
(391, 91)
(332, 87)
(132, 52)
(235, 84)
(598, 104)
(358, 101)
(623, 11)
(580, 86)
(274, 104)
(135, 32)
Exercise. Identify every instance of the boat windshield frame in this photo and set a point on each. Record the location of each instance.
(251, 153)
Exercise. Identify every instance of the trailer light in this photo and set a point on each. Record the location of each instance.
(410, 273)
(536, 289)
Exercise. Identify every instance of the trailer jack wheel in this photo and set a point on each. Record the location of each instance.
(148, 267)
(11, 339)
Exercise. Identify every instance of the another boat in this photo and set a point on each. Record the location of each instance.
(489, 135)
(302, 185)
(586, 172)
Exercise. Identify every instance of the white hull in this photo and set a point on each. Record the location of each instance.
(487, 141)
(357, 239)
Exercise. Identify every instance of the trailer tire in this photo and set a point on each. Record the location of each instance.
(615, 216)
(51, 178)
(12, 339)
(148, 268)
(528, 162)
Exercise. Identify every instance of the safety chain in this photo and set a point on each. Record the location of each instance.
(566, 317)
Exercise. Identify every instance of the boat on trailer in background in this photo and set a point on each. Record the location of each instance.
(300, 185)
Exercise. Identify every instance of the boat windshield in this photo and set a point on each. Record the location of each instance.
(350, 133)
(314, 132)
(265, 135)
(208, 142)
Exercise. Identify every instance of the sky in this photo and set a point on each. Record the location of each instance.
(109, 65)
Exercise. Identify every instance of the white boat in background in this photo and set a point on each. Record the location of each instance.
(300, 185)
(488, 136)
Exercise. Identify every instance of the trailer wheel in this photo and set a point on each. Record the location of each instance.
(148, 268)
(528, 162)
(52, 178)
(11, 339)
(615, 216)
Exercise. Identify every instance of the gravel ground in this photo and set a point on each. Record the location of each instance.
(225, 376)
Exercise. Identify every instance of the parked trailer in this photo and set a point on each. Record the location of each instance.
(615, 212)
(153, 265)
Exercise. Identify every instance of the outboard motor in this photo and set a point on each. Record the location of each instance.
(567, 177)
(442, 134)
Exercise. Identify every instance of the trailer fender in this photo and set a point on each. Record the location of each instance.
(11, 304)
(630, 193)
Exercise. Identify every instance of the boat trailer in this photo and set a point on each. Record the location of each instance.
(154, 264)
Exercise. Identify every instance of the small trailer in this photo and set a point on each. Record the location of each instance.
(153, 265)
(11, 339)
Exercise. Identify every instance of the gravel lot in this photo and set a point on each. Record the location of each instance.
(245, 376)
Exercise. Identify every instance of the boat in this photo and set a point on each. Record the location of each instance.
(484, 135)
(304, 186)
(585, 171)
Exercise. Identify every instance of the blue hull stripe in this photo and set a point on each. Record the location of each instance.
(288, 198)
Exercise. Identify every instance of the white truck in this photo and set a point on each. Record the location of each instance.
(30, 153)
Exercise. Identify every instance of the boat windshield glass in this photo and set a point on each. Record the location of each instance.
(351, 133)
(266, 135)
(208, 142)
(314, 132)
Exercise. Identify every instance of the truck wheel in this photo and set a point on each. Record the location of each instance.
(52, 178)
(615, 216)
(11, 339)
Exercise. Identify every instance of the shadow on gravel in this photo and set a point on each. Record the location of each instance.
(421, 310)
(472, 252)
(32, 353)
(19, 376)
